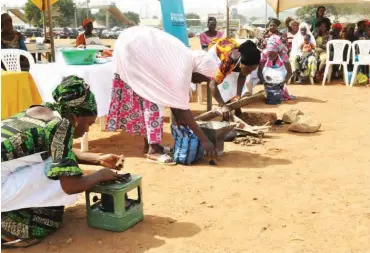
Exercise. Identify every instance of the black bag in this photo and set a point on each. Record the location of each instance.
(273, 94)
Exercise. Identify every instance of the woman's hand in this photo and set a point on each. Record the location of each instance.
(236, 98)
(226, 112)
(109, 160)
(107, 174)
(209, 148)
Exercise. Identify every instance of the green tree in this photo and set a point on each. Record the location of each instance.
(81, 14)
(33, 14)
(133, 16)
(62, 13)
(190, 23)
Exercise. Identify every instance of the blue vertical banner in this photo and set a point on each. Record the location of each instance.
(174, 19)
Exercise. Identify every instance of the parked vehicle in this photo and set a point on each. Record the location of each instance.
(32, 32)
(73, 33)
(61, 33)
(117, 33)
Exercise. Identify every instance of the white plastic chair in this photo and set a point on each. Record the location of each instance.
(362, 47)
(11, 59)
(338, 46)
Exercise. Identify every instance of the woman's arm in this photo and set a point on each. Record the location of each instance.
(241, 83)
(80, 40)
(259, 73)
(289, 71)
(203, 39)
(215, 92)
(226, 111)
(185, 117)
(106, 160)
(78, 184)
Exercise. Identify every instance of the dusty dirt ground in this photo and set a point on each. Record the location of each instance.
(295, 193)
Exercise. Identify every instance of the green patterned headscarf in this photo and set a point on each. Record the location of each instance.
(73, 96)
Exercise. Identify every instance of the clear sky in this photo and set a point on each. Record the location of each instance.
(149, 8)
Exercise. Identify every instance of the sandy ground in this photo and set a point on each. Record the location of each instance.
(295, 193)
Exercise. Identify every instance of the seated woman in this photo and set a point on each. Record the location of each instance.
(272, 29)
(211, 34)
(39, 169)
(154, 70)
(320, 15)
(323, 36)
(295, 55)
(87, 38)
(233, 59)
(307, 50)
(293, 29)
(11, 39)
(275, 58)
(336, 31)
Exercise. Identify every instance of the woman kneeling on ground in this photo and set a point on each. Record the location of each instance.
(40, 174)
(275, 58)
(154, 70)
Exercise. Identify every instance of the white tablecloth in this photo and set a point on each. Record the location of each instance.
(98, 76)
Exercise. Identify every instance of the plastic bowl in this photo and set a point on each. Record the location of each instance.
(76, 56)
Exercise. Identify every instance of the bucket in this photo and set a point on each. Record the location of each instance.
(76, 56)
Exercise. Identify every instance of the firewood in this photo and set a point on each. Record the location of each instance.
(243, 101)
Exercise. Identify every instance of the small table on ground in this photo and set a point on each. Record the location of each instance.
(18, 92)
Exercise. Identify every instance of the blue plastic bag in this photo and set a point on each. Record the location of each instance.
(187, 149)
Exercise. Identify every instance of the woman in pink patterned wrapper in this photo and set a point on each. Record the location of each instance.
(208, 36)
(154, 70)
(275, 60)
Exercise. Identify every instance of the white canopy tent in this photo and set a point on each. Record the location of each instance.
(282, 5)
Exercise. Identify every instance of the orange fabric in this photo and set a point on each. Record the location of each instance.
(86, 21)
(80, 40)
(224, 48)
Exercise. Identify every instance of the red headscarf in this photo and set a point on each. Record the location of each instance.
(86, 21)
(337, 26)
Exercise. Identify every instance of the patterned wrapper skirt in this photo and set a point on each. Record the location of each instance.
(134, 114)
(28, 226)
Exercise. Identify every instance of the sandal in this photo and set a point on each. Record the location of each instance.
(163, 159)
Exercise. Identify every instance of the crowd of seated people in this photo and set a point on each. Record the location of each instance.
(307, 43)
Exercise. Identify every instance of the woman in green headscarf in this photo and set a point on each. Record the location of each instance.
(40, 172)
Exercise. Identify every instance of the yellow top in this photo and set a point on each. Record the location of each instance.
(18, 92)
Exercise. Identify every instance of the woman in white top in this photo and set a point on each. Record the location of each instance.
(295, 54)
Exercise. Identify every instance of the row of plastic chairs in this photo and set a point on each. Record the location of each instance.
(360, 56)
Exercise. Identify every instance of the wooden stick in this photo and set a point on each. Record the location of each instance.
(259, 96)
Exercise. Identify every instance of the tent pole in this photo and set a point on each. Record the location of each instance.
(266, 15)
(227, 19)
(278, 9)
(51, 33)
(43, 18)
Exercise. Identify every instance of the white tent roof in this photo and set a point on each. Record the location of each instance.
(282, 5)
